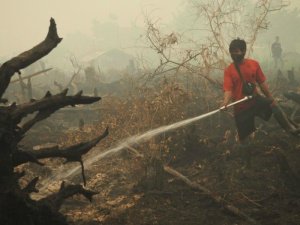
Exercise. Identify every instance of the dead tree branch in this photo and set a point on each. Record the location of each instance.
(55, 200)
(45, 107)
(9, 68)
(71, 154)
(30, 75)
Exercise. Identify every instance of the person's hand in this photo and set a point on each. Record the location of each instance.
(223, 106)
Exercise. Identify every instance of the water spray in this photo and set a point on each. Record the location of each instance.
(130, 141)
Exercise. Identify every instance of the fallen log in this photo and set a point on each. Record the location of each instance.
(219, 200)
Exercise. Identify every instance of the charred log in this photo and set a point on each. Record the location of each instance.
(291, 180)
(292, 96)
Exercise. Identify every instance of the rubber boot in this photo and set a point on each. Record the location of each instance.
(284, 122)
(245, 156)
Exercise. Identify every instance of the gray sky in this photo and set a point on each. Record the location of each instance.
(25, 23)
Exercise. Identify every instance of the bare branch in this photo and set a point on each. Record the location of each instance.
(72, 153)
(8, 69)
(56, 200)
(46, 106)
(30, 75)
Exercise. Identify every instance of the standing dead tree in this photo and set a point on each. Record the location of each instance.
(231, 19)
(16, 206)
(76, 65)
(217, 23)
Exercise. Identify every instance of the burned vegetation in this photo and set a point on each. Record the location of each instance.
(188, 175)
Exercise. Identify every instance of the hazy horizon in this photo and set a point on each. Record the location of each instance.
(86, 27)
(26, 22)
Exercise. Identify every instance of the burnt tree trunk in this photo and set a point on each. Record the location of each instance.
(16, 206)
(154, 175)
(154, 169)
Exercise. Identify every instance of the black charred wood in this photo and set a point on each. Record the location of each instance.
(71, 154)
(292, 96)
(55, 200)
(31, 186)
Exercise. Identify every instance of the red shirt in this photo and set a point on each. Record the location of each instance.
(251, 72)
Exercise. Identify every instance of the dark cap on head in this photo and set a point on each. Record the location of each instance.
(237, 44)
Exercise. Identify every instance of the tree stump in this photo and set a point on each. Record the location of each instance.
(154, 174)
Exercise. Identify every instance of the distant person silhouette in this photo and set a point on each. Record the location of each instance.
(276, 52)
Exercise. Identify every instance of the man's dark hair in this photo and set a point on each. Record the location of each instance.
(237, 44)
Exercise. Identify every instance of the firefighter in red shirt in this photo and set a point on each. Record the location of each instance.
(245, 112)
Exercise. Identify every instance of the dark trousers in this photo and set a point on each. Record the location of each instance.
(245, 121)
(276, 61)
